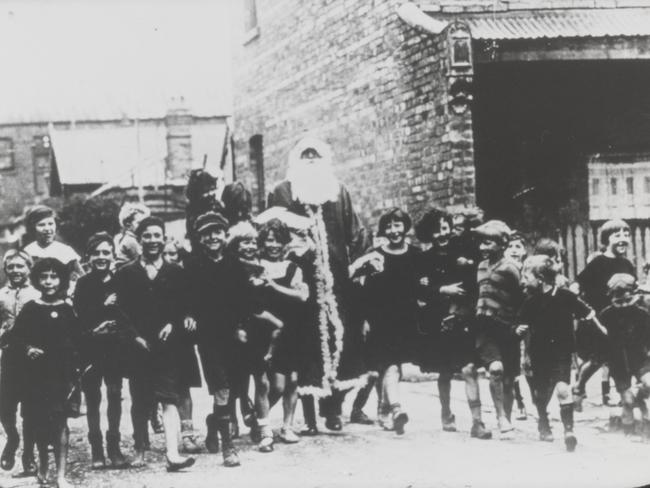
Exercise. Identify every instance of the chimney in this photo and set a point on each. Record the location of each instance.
(178, 122)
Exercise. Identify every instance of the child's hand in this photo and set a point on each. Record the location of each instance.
(241, 336)
(164, 333)
(268, 357)
(110, 299)
(461, 261)
(34, 352)
(424, 281)
(104, 328)
(453, 290)
(366, 328)
(257, 282)
(141, 342)
(521, 330)
(190, 324)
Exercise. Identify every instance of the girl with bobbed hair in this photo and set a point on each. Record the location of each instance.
(48, 331)
(284, 296)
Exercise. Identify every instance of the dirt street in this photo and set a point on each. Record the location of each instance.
(367, 456)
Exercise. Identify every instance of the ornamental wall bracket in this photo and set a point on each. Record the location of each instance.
(460, 67)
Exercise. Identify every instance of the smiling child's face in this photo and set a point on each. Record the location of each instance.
(618, 242)
(45, 230)
(272, 247)
(395, 232)
(247, 248)
(49, 283)
(17, 271)
(101, 257)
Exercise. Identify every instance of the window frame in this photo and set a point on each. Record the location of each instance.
(251, 31)
(11, 154)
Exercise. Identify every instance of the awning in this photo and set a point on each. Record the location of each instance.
(128, 156)
(550, 24)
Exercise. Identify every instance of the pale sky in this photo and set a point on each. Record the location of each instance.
(65, 59)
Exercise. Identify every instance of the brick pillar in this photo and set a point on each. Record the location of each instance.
(178, 122)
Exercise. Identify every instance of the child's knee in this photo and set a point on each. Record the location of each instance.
(496, 370)
(469, 371)
(279, 388)
(628, 398)
(645, 384)
(262, 385)
(563, 392)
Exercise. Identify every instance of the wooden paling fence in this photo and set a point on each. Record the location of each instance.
(581, 241)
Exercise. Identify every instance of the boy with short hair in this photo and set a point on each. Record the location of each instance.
(152, 295)
(13, 296)
(628, 327)
(497, 346)
(104, 335)
(615, 236)
(547, 316)
(218, 303)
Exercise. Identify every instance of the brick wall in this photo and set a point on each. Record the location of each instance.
(356, 75)
(17, 185)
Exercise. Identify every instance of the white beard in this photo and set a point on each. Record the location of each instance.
(313, 181)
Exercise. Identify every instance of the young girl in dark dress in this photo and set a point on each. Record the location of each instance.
(284, 293)
(391, 295)
(259, 330)
(48, 331)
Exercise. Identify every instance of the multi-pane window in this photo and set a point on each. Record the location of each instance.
(41, 161)
(6, 153)
(629, 182)
(595, 187)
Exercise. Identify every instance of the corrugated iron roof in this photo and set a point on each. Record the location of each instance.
(126, 156)
(549, 24)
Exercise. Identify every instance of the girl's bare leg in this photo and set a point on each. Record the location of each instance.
(61, 443)
(290, 399)
(172, 424)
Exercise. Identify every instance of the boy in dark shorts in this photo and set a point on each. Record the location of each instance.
(547, 316)
(628, 327)
(218, 302)
(497, 346)
(592, 348)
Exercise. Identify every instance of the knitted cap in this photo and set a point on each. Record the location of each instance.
(209, 220)
(239, 232)
(494, 229)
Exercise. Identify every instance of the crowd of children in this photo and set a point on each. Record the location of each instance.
(244, 296)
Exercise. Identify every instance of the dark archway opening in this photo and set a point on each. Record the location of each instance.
(535, 125)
